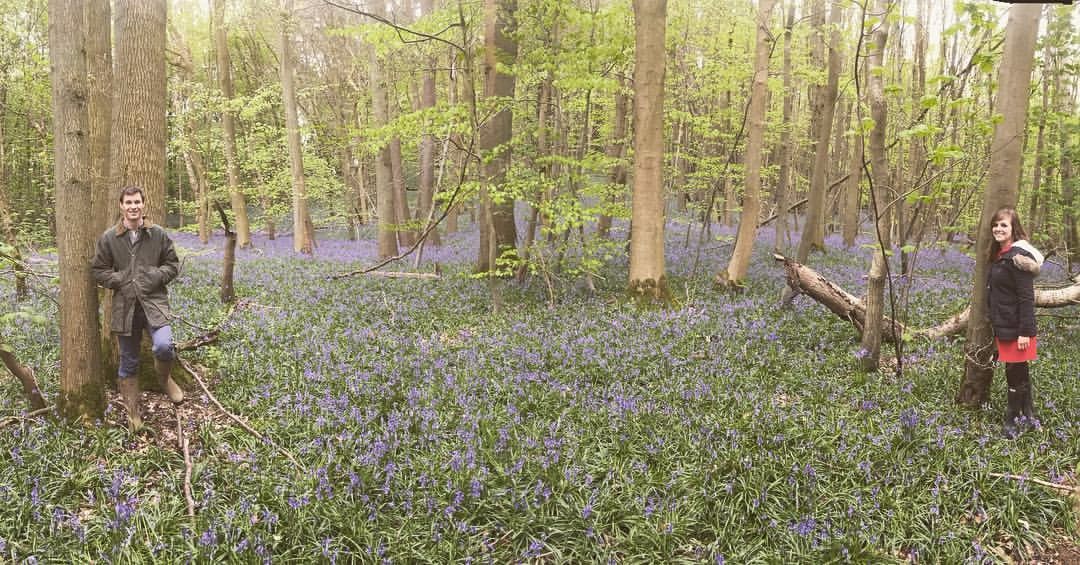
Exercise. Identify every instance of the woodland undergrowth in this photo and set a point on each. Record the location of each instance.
(571, 426)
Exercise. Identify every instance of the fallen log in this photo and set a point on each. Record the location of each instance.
(804, 280)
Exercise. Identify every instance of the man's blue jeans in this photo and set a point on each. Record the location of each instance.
(129, 344)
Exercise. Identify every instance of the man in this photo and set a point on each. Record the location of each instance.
(136, 259)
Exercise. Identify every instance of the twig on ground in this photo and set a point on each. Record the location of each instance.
(1048, 484)
(15, 419)
(181, 439)
(402, 275)
(239, 421)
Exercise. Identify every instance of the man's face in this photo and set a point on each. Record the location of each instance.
(132, 208)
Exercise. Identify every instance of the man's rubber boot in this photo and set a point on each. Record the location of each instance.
(129, 392)
(169, 386)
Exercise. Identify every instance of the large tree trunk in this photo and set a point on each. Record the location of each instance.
(228, 126)
(879, 176)
(81, 392)
(1003, 177)
(138, 136)
(99, 68)
(647, 280)
(500, 237)
(736, 269)
(303, 231)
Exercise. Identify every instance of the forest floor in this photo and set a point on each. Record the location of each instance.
(402, 420)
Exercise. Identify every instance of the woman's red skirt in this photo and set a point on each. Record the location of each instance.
(1009, 353)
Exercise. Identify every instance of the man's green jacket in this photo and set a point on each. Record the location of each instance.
(137, 273)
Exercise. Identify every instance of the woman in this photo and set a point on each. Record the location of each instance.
(1014, 263)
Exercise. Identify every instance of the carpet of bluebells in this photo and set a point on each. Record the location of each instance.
(724, 429)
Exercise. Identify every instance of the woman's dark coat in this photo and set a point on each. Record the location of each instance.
(1011, 286)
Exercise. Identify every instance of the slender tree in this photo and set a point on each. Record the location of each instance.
(498, 232)
(303, 230)
(1003, 177)
(81, 392)
(881, 190)
(228, 125)
(733, 275)
(813, 235)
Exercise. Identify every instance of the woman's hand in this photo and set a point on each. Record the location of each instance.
(1022, 342)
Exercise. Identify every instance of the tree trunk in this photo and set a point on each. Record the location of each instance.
(406, 235)
(384, 188)
(228, 126)
(824, 104)
(616, 150)
(1003, 176)
(303, 234)
(138, 136)
(852, 192)
(733, 275)
(783, 189)
(7, 223)
(648, 282)
(426, 206)
(81, 393)
(499, 240)
(879, 176)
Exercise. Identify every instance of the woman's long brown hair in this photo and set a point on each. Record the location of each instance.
(1018, 232)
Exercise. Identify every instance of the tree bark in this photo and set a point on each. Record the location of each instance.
(7, 222)
(99, 63)
(733, 275)
(648, 282)
(138, 135)
(81, 393)
(228, 125)
(303, 232)
(1006, 150)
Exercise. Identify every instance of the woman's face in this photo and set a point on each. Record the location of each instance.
(1002, 230)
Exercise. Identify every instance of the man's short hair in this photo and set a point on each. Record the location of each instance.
(129, 190)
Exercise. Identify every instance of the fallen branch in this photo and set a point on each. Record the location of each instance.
(26, 376)
(804, 280)
(181, 439)
(212, 335)
(14, 419)
(401, 275)
(239, 421)
(1048, 484)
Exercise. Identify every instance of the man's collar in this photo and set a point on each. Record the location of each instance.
(121, 229)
